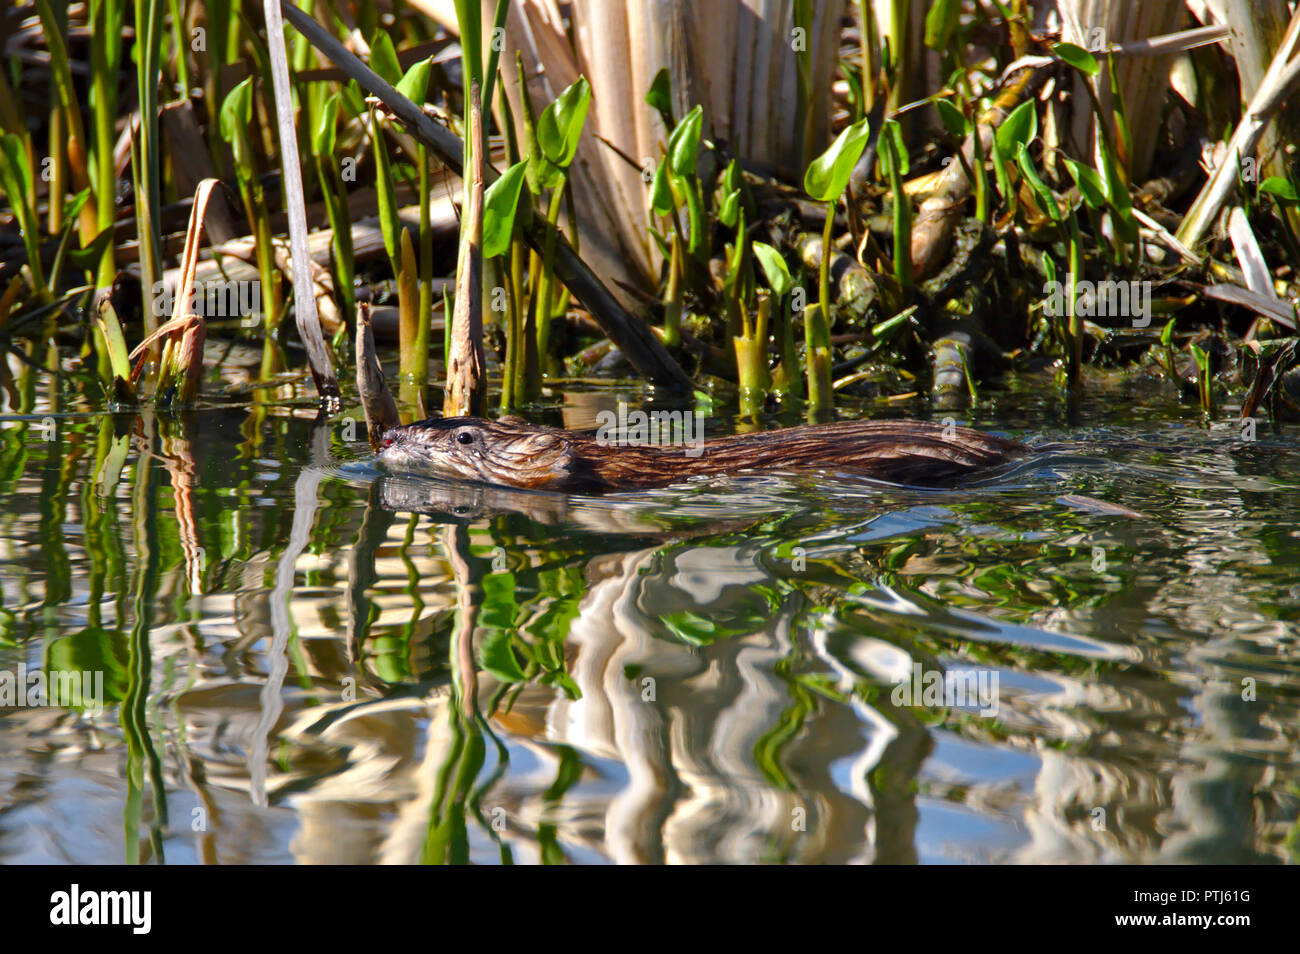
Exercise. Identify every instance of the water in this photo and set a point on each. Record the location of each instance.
(727, 671)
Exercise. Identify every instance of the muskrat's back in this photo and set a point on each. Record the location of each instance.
(516, 453)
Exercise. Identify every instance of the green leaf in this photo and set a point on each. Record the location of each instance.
(828, 174)
(236, 114)
(952, 117)
(893, 132)
(1017, 129)
(1091, 185)
(684, 144)
(497, 658)
(731, 177)
(415, 84)
(17, 175)
(500, 203)
(660, 95)
(1078, 57)
(383, 58)
(389, 223)
(85, 258)
(1045, 196)
(729, 210)
(323, 141)
(106, 319)
(661, 192)
(941, 22)
(15, 183)
(774, 268)
(560, 125)
(1280, 189)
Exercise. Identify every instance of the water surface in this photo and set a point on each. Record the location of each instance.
(305, 660)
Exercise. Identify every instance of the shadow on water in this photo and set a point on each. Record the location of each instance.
(1090, 657)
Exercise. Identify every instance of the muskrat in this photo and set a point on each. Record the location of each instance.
(513, 452)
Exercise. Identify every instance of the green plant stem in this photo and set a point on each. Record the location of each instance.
(1074, 331)
(148, 189)
(340, 219)
(751, 358)
(105, 62)
(519, 336)
(426, 260)
(817, 328)
(673, 296)
(542, 288)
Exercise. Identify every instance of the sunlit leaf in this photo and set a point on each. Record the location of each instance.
(500, 203)
(415, 84)
(1091, 185)
(1017, 129)
(1078, 57)
(383, 58)
(828, 174)
(560, 125)
(728, 211)
(684, 144)
(660, 95)
(661, 193)
(774, 268)
(1280, 189)
(323, 141)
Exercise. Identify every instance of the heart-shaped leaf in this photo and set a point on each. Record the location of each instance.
(684, 144)
(560, 125)
(828, 174)
(1091, 185)
(660, 96)
(233, 121)
(775, 270)
(383, 58)
(1017, 129)
(729, 209)
(953, 119)
(1044, 195)
(661, 192)
(1280, 189)
(500, 203)
(415, 84)
(1078, 57)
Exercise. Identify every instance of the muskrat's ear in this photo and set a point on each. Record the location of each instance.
(512, 419)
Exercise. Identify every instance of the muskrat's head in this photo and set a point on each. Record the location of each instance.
(510, 451)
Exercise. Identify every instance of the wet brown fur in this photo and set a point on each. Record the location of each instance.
(516, 453)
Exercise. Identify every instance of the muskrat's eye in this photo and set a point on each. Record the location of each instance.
(465, 437)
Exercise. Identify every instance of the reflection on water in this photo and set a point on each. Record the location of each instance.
(306, 660)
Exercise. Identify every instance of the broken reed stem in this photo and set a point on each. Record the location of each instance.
(466, 385)
(376, 399)
(304, 297)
